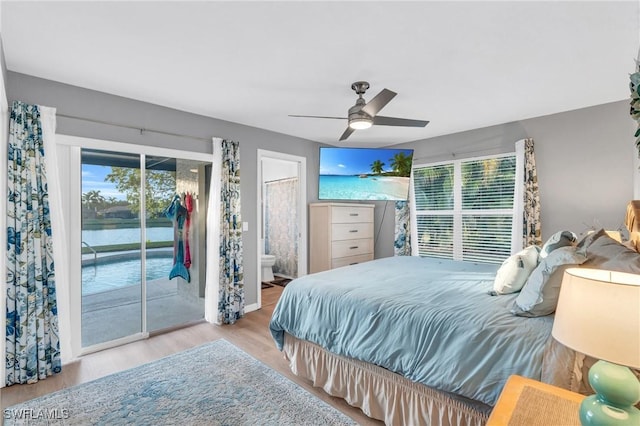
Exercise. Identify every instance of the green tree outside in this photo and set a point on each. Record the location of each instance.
(486, 184)
(159, 189)
(93, 200)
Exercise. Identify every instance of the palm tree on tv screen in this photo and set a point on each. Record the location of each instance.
(401, 164)
(377, 167)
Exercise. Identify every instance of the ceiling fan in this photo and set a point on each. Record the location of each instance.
(364, 114)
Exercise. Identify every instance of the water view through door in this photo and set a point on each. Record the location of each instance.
(140, 254)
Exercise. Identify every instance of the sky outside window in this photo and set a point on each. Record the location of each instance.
(93, 179)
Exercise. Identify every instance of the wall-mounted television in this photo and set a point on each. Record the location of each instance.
(364, 173)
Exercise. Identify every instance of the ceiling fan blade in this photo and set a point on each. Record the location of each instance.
(378, 102)
(393, 121)
(347, 133)
(317, 116)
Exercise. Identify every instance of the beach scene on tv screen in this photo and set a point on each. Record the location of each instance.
(364, 173)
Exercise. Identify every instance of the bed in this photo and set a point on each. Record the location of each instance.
(413, 340)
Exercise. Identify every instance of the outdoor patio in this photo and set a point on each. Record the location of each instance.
(116, 313)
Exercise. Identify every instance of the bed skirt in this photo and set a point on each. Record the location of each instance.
(380, 393)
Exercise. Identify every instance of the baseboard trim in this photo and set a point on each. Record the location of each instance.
(250, 308)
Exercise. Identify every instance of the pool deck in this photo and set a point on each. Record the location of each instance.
(117, 313)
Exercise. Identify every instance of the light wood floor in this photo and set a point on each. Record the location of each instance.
(251, 334)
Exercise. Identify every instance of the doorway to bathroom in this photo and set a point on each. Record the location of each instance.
(282, 219)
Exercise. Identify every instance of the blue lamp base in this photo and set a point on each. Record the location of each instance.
(617, 391)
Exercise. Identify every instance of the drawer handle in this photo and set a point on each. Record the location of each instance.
(353, 230)
(353, 247)
(354, 214)
(354, 263)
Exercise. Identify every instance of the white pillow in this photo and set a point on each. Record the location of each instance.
(515, 270)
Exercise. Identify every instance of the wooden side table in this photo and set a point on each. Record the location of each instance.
(527, 402)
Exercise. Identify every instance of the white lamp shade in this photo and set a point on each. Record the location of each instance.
(598, 314)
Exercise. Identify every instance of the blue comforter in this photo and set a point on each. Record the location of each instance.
(429, 320)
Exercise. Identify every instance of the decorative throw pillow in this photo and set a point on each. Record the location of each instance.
(539, 296)
(515, 270)
(557, 240)
(604, 252)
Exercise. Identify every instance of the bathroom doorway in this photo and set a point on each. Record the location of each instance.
(282, 219)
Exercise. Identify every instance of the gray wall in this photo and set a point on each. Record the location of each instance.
(95, 105)
(584, 160)
(584, 157)
(585, 166)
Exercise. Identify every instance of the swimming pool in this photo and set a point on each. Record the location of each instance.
(105, 237)
(121, 273)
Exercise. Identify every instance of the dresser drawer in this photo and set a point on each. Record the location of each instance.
(351, 260)
(340, 234)
(351, 214)
(351, 247)
(351, 231)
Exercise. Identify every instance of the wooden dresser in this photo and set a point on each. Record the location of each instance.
(341, 234)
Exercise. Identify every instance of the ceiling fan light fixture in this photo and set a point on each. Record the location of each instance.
(364, 114)
(360, 123)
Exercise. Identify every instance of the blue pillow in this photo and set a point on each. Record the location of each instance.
(557, 240)
(539, 296)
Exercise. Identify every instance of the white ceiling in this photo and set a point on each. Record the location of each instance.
(461, 65)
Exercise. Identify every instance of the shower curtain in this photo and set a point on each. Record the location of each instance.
(281, 225)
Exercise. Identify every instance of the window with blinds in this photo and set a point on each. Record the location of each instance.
(464, 208)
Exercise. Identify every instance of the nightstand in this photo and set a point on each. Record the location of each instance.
(527, 402)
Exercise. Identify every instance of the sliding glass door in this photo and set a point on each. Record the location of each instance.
(173, 242)
(111, 244)
(142, 235)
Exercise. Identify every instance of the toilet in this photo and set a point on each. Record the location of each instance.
(267, 267)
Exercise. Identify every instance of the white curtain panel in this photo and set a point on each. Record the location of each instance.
(212, 275)
(61, 236)
(518, 197)
(4, 136)
(413, 219)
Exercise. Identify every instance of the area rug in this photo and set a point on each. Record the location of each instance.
(212, 384)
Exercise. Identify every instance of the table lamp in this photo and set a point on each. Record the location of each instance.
(598, 314)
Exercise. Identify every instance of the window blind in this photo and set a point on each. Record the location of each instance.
(433, 187)
(435, 235)
(464, 208)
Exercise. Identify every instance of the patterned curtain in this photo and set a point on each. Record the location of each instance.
(531, 219)
(402, 243)
(32, 342)
(281, 225)
(231, 290)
